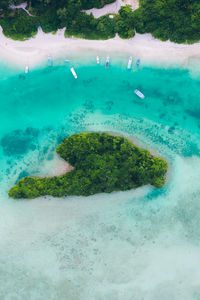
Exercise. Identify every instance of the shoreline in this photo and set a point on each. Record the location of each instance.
(34, 52)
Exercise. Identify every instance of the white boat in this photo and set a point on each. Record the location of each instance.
(97, 59)
(49, 60)
(139, 94)
(66, 60)
(130, 62)
(26, 69)
(74, 73)
(107, 61)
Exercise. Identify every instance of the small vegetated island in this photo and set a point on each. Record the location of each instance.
(103, 163)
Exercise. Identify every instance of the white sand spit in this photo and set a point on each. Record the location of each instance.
(55, 167)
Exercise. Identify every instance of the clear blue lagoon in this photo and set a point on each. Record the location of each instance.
(134, 245)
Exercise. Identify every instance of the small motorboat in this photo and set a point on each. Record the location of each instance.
(107, 61)
(138, 63)
(66, 60)
(98, 60)
(129, 62)
(74, 73)
(26, 69)
(49, 60)
(139, 94)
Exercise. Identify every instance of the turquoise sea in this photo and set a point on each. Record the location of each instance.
(141, 244)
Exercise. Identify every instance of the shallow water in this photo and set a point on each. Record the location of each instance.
(139, 244)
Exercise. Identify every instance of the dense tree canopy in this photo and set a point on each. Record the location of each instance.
(177, 20)
(125, 24)
(102, 163)
(52, 15)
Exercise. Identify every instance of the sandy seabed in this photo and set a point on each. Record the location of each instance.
(112, 247)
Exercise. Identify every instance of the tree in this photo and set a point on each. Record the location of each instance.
(4, 4)
(125, 25)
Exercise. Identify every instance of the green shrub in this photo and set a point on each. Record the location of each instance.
(175, 20)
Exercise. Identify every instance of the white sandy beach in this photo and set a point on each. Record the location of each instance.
(150, 50)
(35, 50)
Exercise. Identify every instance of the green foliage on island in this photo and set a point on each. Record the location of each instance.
(125, 22)
(102, 164)
(176, 20)
(92, 29)
(19, 28)
(52, 15)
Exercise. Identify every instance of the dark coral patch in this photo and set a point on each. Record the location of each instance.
(18, 142)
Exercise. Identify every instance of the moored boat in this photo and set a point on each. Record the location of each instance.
(97, 59)
(74, 73)
(49, 60)
(107, 61)
(137, 62)
(139, 94)
(26, 69)
(130, 62)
